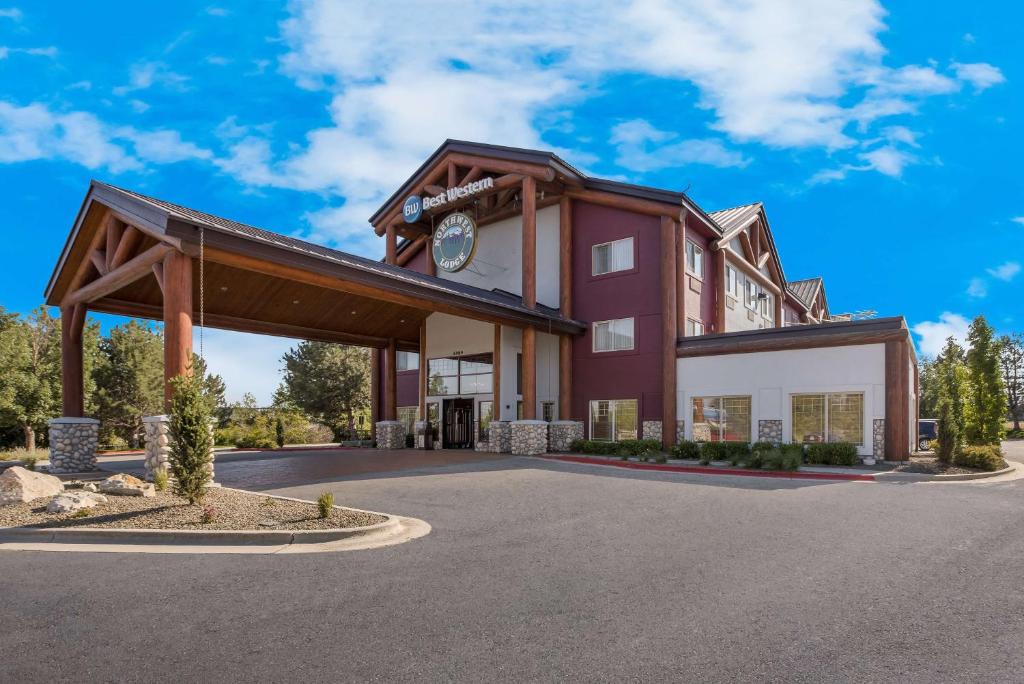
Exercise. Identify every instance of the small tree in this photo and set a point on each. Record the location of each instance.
(987, 394)
(1011, 359)
(190, 442)
(279, 430)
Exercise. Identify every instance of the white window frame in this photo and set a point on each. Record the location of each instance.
(732, 281)
(610, 245)
(694, 258)
(610, 322)
(720, 399)
(407, 361)
(612, 406)
(752, 302)
(826, 413)
(694, 328)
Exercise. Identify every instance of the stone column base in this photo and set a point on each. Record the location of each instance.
(158, 446)
(500, 437)
(877, 441)
(73, 444)
(390, 434)
(651, 429)
(680, 431)
(562, 433)
(769, 430)
(529, 437)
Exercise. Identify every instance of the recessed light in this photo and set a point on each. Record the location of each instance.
(223, 288)
(295, 301)
(401, 320)
(353, 313)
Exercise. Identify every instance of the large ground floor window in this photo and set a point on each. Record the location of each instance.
(485, 415)
(613, 420)
(407, 415)
(721, 419)
(461, 375)
(830, 417)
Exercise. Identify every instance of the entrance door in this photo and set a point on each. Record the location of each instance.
(458, 423)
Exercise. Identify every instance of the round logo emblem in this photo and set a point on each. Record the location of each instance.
(412, 210)
(454, 242)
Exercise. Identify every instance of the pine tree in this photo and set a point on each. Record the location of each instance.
(30, 377)
(190, 440)
(129, 379)
(329, 382)
(986, 390)
(950, 378)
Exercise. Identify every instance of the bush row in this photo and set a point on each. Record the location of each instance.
(989, 457)
(742, 453)
(640, 448)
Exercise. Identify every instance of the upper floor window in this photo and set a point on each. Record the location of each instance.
(751, 295)
(610, 257)
(694, 259)
(768, 306)
(616, 335)
(406, 361)
(694, 328)
(732, 282)
(460, 375)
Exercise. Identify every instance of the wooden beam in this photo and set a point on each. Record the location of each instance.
(86, 266)
(423, 371)
(681, 279)
(114, 232)
(720, 292)
(640, 206)
(564, 377)
(124, 275)
(763, 259)
(177, 319)
(529, 242)
(453, 174)
(391, 380)
(565, 258)
(158, 273)
(434, 189)
(897, 401)
(411, 250)
(511, 181)
(126, 247)
(391, 246)
(529, 373)
(98, 257)
(538, 171)
(375, 369)
(496, 370)
(473, 174)
(730, 345)
(669, 283)
(742, 264)
(72, 320)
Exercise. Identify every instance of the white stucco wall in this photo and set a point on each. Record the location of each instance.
(498, 262)
(770, 378)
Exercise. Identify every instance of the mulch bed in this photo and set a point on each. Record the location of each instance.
(930, 465)
(233, 510)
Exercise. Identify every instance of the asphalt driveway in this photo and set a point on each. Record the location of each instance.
(540, 571)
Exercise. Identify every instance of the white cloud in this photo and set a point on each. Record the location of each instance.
(138, 106)
(246, 362)
(969, 38)
(642, 147)
(50, 52)
(81, 85)
(217, 11)
(977, 288)
(163, 147)
(217, 60)
(888, 160)
(143, 75)
(932, 335)
(12, 13)
(1018, 219)
(980, 75)
(1006, 272)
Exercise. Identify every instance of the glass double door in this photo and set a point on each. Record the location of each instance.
(458, 424)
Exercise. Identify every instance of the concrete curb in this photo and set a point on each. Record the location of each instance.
(395, 529)
(958, 477)
(712, 470)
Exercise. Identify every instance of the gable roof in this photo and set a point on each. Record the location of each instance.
(805, 290)
(736, 217)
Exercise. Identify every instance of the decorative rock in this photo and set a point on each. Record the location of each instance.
(19, 485)
(562, 433)
(529, 437)
(157, 452)
(123, 484)
(73, 444)
(90, 487)
(680, 431)
(73, 501)
(769, 431)
(390, 434)
(651, 429)
(500, 438)
(878, 438)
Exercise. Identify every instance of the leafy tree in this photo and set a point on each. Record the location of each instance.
(30, 381)
(951, 382)
(929, 387)
(986, 391)
(214, 390)
(329, 382)
(129, 380)
(190, 440)
(1011, 361)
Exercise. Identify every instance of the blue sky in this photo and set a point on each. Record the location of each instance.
(884, 138)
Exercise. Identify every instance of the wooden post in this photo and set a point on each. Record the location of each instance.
(529, 242)
(496, 384)
(668, 332)
(529, 373)
(391, 245)
(564, 377)
(177, 319)
(565, 258)
(681, 279)
(423, 370)
(72, 321)
(391, 380)
(897, 407)
(779, 323)
(374, 388)
(720, 293)
(114, 232)
(429, 247)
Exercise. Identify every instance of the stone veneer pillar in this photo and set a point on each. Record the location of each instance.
(878, 439)
(680, 431)
(562, 433)
(769, 431)
(529, 437)
(500, 437)
(390, 434)
(158, 445)
(651, 429)
(73, 444)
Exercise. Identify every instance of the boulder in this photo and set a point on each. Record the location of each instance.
(18, 485)
(123, 484)
(73, 501)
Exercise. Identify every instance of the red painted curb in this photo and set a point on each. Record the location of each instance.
(710, 470)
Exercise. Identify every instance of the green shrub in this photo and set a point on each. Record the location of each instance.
(712, 451)
(160, 479)
(209, 514)
(253, 440)
(686, 449)
(761, 447)
(833, 453)
(737, 452)
(190, 441)
(782, 459)
(988, 457)
(29, 462)
(324, 504)
(279, 433)
(639, 447)
(757, 458)
(82, 513)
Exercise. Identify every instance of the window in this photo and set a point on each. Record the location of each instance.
(614, 335)
(751, 299)
(547, 411)
(612, 256)
(732, 283)
(461, 375)
(407, 415)
(694, 328)
(613, 420)
(694, 259)
(768, 306)
(407, 361)
(837, 417)
(485, 415)
(721, 419)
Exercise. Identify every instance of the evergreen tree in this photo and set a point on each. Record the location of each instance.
(929, 387)
(30, 381)
(329, 382)
(1011, 360)
(986, 391)
(214, 390)
(129, 380)
(190, 440)
(951, 381)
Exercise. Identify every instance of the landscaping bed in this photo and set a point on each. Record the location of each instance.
(930, 465)
(222, 509)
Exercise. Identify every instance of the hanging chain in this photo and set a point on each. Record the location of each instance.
(202, 288)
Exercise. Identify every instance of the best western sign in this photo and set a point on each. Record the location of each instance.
(415, 205)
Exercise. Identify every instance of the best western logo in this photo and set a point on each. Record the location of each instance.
(415, 206)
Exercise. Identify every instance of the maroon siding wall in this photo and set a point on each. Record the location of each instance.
(632, 374)
(708, 289)
(419, 262)
(407, 390)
